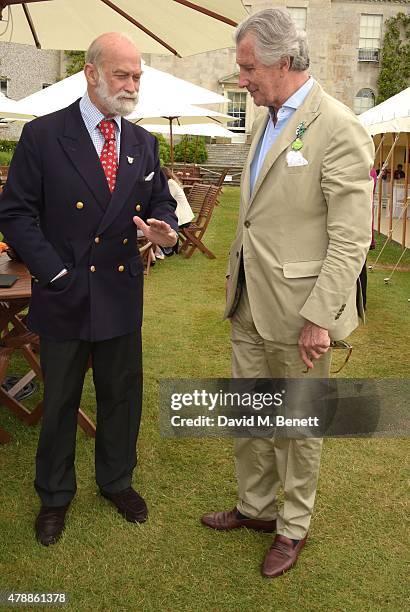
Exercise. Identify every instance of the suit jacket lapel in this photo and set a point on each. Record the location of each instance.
(307, 112)
(80, 149)
(129, 169)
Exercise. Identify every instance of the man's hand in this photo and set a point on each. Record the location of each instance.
(158, 232)
(313, 342)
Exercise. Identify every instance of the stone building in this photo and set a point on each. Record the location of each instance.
(23, 71)
(345, 37)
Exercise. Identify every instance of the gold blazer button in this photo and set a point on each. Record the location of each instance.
(121, 268)
(125, 241)
(97, 240)
(138, 207)
(79, 205)
(92, 268)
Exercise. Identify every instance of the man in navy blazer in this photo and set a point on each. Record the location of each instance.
(74, 225)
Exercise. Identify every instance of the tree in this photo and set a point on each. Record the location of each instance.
(75, 62)
(163, 149)
(394, 73)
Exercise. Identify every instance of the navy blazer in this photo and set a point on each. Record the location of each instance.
(57, 211)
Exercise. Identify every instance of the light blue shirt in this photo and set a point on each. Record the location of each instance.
(92, 117)
(272, 131)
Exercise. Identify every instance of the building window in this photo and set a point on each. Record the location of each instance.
(3, 85)
(299, 16)
(370, 37)
(364, 100)
(237, 108)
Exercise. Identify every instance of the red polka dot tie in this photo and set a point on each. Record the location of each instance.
(108, 154)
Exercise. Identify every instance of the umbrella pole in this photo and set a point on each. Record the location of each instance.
(185, 147)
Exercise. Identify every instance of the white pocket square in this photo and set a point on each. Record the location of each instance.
(149, 177)
(295, 158)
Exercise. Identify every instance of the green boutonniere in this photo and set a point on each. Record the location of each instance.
(297, 144)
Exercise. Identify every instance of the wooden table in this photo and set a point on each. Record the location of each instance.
(14, 335)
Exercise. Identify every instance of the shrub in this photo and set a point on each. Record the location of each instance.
(5, 158)
(191, 149)
(75, 62)
(164, 149)
(8, 145)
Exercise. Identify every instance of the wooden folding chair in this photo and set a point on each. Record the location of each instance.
(4, 170)
(220, 180)
(196, 197)
(192, 235)
(28, 343)
(147, 251)
(219, 183)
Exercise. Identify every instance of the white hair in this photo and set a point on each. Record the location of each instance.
(276, 38)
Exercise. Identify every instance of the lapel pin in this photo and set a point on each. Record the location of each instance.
(130, 160)
(297, 143)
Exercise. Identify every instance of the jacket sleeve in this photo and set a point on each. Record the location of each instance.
(20, 209)
(347, 188)
(260, 116)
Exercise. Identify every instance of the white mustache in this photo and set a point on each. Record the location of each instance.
(127, 96)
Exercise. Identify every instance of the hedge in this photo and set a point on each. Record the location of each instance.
(8, 145)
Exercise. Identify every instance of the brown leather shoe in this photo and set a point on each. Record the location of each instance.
(49, 524)
(225, 521)
(130, 504)
(281, 556)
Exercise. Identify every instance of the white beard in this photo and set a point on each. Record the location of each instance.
(122, 103)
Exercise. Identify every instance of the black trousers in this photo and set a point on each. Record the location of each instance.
(117, 375)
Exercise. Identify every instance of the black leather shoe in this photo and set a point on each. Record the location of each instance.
(130, 504)
(50, 524)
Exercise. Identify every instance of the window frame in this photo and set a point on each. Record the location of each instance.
(240, 113)
(4, 90)
(357, 108)
(298, 8)
(371, 32)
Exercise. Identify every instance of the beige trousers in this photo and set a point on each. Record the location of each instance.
(264, 464)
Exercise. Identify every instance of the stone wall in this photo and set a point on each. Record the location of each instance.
(26, 69)
(346, 76)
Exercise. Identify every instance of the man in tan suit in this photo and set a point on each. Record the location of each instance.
(303, 233)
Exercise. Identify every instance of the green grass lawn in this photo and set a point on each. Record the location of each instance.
(353, 560)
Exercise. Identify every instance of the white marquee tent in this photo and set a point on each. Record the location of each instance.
(389, 124)
(392, 115)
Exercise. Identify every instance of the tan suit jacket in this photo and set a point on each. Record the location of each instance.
(304, 232)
